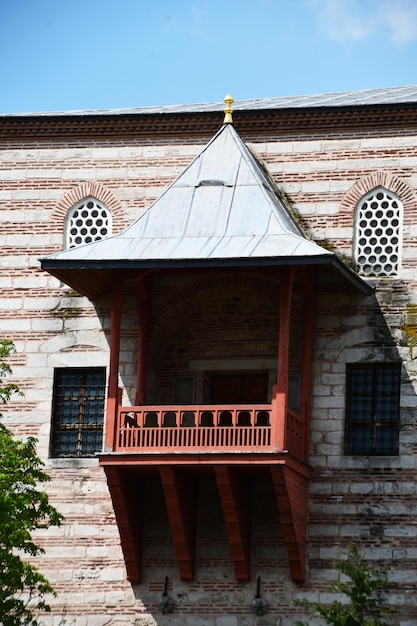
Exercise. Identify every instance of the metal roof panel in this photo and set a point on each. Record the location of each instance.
(406, 94)
(222, 208)
(210, 210)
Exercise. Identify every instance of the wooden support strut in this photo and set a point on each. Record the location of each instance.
(291, 494)
(236, 499)
(181, 502)
(127, 496)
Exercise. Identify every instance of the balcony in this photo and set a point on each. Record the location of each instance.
(243, 338)
(230, 443)
(206, 429)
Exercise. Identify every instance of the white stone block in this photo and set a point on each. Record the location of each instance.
(14, 261)
(105, 153)
(11, 304)
(51, 194)
(15, 324)
(47, 324)
(328, 402)
(78, 174)
(29, 282)
(112, 575)
(283, 147)
(296, 167)
(13, 174)
(49, 173)
(41, 304)
(26, 194)
(303, 208)
(110, 173)
(323, 166)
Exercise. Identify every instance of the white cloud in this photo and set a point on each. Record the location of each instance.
(400, 18)
(354, 20)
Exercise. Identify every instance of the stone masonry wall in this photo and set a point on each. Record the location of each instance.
(369, 500)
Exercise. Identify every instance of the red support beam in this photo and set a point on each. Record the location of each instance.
(292, 497)
(281, 389)
(236, 498)
(307, 280)
(181, 502)
(113, 391)
(127, 495)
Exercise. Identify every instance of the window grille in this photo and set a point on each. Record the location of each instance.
(78, 411)
(378, 234)
(372, 409)
(88, 221)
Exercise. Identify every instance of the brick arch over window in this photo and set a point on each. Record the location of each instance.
(389, 181)
(86, 190)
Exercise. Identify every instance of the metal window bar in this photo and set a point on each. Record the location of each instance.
(78, 412)
(372, 418)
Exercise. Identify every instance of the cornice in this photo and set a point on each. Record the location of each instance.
(312, 121)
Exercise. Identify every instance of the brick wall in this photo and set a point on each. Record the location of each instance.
(369, 500)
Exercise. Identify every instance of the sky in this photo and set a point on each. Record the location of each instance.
(61, 55)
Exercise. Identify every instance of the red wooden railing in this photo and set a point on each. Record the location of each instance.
(206, 428)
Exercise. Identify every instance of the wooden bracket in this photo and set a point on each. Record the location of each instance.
(127, 495)
(236, 497)
(181, 501)
(291, 493)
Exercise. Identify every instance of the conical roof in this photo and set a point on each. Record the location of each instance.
(221, 210)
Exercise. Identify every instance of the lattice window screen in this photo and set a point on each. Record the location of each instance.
(88, 221)
(378, 234)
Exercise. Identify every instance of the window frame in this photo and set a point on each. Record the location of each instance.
(373, 423)
(60, 425)
(87, 237)
(378, 231)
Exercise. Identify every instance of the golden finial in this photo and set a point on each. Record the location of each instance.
(228, 110)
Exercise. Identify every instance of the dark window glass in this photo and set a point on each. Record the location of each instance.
(78, 411)
(372, 409)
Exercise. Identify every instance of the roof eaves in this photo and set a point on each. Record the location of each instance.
(365, 287)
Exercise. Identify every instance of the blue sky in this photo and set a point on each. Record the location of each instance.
(59, 55)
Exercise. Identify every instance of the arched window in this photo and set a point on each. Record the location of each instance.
(378, 233)
(87, 221)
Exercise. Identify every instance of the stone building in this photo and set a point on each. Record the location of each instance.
(215, 322)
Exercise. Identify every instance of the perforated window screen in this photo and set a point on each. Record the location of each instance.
(88, 221)
(378, 234)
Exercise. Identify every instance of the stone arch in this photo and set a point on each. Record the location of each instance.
(388, 180)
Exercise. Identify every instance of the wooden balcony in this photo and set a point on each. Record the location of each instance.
(230, 443)
(207, 428)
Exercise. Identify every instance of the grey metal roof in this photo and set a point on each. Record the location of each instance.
(366, 97)
(222, 209)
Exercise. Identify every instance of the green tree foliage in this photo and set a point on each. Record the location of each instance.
(365, 602)
(24, 508)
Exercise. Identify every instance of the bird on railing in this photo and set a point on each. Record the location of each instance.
(130, 420)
